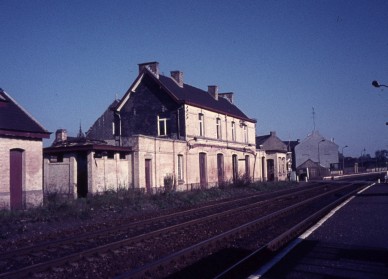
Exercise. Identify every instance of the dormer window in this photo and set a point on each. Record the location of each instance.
(163, 124)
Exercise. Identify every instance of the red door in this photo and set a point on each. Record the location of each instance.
(148, 174)
(220, 168)
(202, 170)
(16, 179)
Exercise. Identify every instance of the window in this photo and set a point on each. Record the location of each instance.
(123, 156)
(163, 126)
(233, 131)
(111, 155)
(218, 128)
(201, 125)
(113, 128)
(245, 131)
(180, 169)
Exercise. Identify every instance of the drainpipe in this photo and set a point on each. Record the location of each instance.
(119, 128)
(254, 167)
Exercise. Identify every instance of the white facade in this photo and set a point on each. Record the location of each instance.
(220, 139)
(316, 148)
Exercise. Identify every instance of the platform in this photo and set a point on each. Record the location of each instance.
(352, 243)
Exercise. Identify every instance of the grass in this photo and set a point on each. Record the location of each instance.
(121, 201)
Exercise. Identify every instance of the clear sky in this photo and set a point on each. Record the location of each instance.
(65, 61)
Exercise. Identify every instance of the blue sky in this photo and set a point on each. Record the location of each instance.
(65, 61)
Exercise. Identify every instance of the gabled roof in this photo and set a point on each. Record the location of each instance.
(189, 95)
(270, 143)
(16, 121)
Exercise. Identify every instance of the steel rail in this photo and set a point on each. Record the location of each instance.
(78, 238)
(88, 235)
(40, 267)
(217, 241)
(250, 263)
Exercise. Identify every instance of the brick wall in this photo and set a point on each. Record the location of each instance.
(32, 176)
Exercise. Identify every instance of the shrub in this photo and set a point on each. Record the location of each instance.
(168, 182)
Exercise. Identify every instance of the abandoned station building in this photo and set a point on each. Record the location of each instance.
(162, 131)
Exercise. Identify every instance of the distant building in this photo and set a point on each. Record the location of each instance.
(318, 150)
(278, 158)
(20, 156)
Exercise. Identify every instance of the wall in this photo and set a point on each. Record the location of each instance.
(109, 173)
(103, 174)
(210, 131)
(32, 177)
(61, 177)
(163, 154)
(308, 149)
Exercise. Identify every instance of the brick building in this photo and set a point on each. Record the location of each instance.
(200, 138)
(20, 156)
(277, 163)
(76, 166)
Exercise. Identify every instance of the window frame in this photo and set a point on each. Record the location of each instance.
(201, 122)
(163, 121)
(180, 171)
(218, 128)
(233, 131)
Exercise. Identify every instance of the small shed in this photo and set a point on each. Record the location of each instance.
(21, 144)
(277, 161)
(75, 167)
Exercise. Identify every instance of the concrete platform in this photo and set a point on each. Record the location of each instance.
(352, 243)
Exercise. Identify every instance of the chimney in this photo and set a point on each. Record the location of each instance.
(61, 135)
(178, 77)
(151, 66)
(213, 90)
(228, 96)
(272, 134)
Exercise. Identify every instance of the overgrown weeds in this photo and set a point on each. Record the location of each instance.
(60, 208)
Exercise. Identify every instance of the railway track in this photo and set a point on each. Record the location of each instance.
(146, 243)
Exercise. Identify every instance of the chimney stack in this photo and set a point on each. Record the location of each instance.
(178, 77)
(152, 66)
(61, 135)
(213, 90)
(228, 96)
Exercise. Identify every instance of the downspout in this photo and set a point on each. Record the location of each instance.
(173, 162)
(226, 130)
(119, 117)
(254, 167)
(154, 171)
(178, 122)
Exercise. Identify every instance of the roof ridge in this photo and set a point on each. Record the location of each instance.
(25, 111)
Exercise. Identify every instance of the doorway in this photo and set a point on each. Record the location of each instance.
(202, 170)
(148, 175)
(82, 175)
(16, 179)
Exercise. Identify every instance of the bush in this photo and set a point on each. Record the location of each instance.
(168, 182)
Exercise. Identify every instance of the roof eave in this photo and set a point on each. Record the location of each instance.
(86, 147)
(25, 134)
